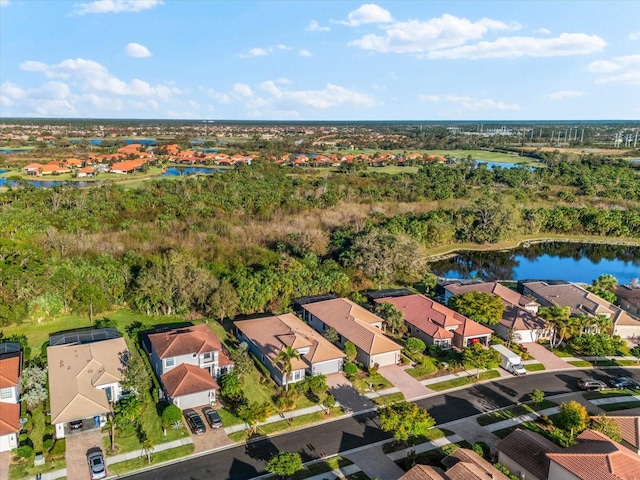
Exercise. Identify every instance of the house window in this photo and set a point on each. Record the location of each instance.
(169, 362)
(208, 356)
(5, 393)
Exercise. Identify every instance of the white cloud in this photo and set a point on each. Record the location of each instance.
(471, 104)
(416, 37)
(283, 47)
(136, 50)
(242, 90)
(634, 36)
(562, 94)
(367, 13)
(4, 3)
(513, 47)
(316, 27)
(263, 52)
(543, 31)
(627, 68)
(329, 97)
(306, 53)
(115, 6)
(92, 77)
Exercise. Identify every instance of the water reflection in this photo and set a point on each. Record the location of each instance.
(575, 262)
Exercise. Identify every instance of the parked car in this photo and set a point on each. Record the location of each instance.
(76, 425)
(623, 382)
(196, 425)
(591, 385)
(97, 467)
(212, 416)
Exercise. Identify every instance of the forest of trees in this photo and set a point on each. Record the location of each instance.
(253, 238)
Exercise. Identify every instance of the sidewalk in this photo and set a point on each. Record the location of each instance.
(141, 453)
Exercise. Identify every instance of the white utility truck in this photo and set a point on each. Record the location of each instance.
(509, 360)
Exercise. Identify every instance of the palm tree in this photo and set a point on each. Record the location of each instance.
(602, 322)
(559, 318)
(284, 359)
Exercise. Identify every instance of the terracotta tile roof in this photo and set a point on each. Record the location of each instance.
(86, 170)
(465, 464)
(184, 341)
(423, 472)
(596, 457)
(33, 166)
(629, 427)
(186, 379)
(76, 373)
(271, 334)
(354, 323)
(528, 449)
(10, 369)
(9, 418)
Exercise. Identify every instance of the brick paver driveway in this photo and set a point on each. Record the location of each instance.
(76, 456)
(545, 357)
(409, 386)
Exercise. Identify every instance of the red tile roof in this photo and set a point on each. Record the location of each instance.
(629, 428)
(183, 341)
(186, 379)
(9, 418)
(10, 369)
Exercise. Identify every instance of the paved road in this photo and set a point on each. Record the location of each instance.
(245, 462)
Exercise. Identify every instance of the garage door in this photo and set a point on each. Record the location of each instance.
(327, 368)
(627, 331)
(385, 359)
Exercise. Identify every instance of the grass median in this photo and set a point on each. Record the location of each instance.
(463, 381)
(142, 462)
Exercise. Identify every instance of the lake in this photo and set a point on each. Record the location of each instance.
(503, 164)
(5, 182)
(574, 262)
(182, 171)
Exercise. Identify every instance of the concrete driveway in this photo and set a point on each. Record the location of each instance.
(409, 386)
(76, 455)
(346, 394)
(5, 460)
(545, 357)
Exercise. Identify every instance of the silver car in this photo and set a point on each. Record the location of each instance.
(97, 467)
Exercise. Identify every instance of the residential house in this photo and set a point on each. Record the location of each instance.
(519, 320)
(594, 457)
(629, 429)
(179, 357)
(628, 298)
(357, 325)
(85, 370)
(86, 172)
(437, 324)
(582, 301)
(10, 371)
(461, 464)
(267, 337)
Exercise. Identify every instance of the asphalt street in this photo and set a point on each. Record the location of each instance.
(248, 461)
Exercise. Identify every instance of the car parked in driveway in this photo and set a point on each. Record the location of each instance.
(97, 467)
(212, 416)
(76, 425)
(591, 385)
(196, 425)
(623, 382)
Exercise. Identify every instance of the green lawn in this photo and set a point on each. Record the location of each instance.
(388, 399)
(163, 456)
(534, 367)
(514, 412)
(367, 382)
(433, 434)
(423, 369)
(609, 394)
(462, 381)
(581, 363)
(27, 470)
(613, 407)
(318, 468)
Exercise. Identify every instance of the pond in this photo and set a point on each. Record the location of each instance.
(5, 182)
(503, 164)
(575, 262)
(182, 171)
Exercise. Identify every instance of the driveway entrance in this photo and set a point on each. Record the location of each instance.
(346, 394)
(547, 358)
(76, 455)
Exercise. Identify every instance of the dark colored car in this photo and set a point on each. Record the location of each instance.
(196, 425)
(591, 385)
(76, 425)
(623, 382)
(213, 419)
(97, 467)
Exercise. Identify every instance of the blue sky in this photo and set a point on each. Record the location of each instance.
(320, 60)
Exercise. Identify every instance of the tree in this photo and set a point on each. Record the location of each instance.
(573, 417)
(597, 345)
(414, 345)
(331, 335)
(479, 357)
(329, 402)
(405, 419)
(350, 351)
(287, 400)
(171, 415)
(284, 358)
(224, 301)
(241, 359)
(232, 387)
(135, 378)
(603, 286)
(254, 413)
(393, 318)
(284, 464)
(147, 443)
(635, 351)
(90, 298)
(429, 280)
(479, 306)
(537, 396)
(316, 383)
(34, 385)
(559, 318)
(608, 426)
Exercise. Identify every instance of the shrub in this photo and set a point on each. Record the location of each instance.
(24, 451)
(482, 449)
(435, 350)
(22, 438)
(350, 369)
(48, 444)
(373, 369)
(561, 437)
(415, 345)
(59, 448)
(544, 421)
(171, 415)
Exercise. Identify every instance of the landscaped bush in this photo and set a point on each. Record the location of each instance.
(24, 451)
(544, 421)
(482, 449)
(350, 369)
(48, 444)
(171, 415)
(414, 345)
